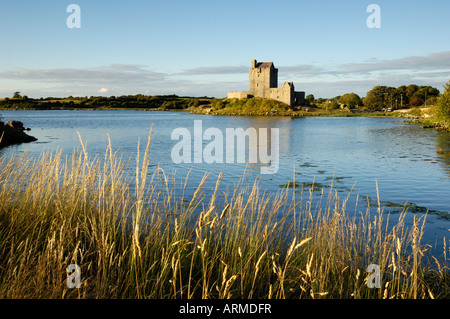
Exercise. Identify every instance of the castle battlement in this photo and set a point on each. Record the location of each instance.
(263, 82)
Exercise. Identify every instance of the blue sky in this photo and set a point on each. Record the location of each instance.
(203, 48)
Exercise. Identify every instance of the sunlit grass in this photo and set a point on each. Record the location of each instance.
(133, 238)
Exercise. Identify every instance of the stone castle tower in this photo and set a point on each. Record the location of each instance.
(263, 82)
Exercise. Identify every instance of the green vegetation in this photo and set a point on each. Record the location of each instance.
(253, 106)
(350, 100)
(163, 102)
(330, 104)
(384, 97)
(132, 238)
(443, 103)
(437, 115)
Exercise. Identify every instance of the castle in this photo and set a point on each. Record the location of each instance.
(263, 82)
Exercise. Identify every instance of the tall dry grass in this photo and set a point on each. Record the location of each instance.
(133, 237)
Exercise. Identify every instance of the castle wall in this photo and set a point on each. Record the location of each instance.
(299, 98)
(237, 95)
(285, 94)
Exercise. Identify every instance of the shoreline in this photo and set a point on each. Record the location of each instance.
(427, 122)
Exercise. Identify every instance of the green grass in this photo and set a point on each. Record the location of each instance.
(268, 107)
(132, 238)
(435, 120)
(253, 106)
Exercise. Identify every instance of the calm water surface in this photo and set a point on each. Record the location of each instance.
(349, 152)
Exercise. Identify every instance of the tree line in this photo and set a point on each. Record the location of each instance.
(380, 98)
(164, 102)
(402, 97)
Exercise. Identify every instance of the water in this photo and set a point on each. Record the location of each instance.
(353, 153)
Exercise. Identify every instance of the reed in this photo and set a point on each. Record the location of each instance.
(135, 236)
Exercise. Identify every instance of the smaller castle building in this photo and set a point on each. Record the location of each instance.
(263, 83)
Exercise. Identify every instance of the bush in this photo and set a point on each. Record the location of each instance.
(443, 102)
(329, 105)
(432, 101)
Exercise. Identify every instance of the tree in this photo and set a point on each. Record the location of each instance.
(416, 101)
(319, 101)
(329, 104)
(430, 91)
(410, 90)
(444, 102)
(351, 100)
(309, 99)
(333, 104)
(379, 97)
(17, 95)
(399, 97)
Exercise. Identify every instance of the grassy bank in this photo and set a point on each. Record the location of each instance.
(132, 238)
(253, 106)
(430, 117)
(267, 107)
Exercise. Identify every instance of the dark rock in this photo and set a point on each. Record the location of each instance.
(10, 135)
(15, 124)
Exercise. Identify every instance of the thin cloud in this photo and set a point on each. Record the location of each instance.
(113, 74)
(216, 70)
(285, 70)
(436, 61)
(302, 69)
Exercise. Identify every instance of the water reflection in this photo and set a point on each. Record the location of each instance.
(443, 142)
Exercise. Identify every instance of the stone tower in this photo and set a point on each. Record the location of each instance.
(262, 76)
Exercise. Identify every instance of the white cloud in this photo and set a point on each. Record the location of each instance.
(103, 90)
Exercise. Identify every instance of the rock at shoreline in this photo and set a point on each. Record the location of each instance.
(13, 133)
(17, 125)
